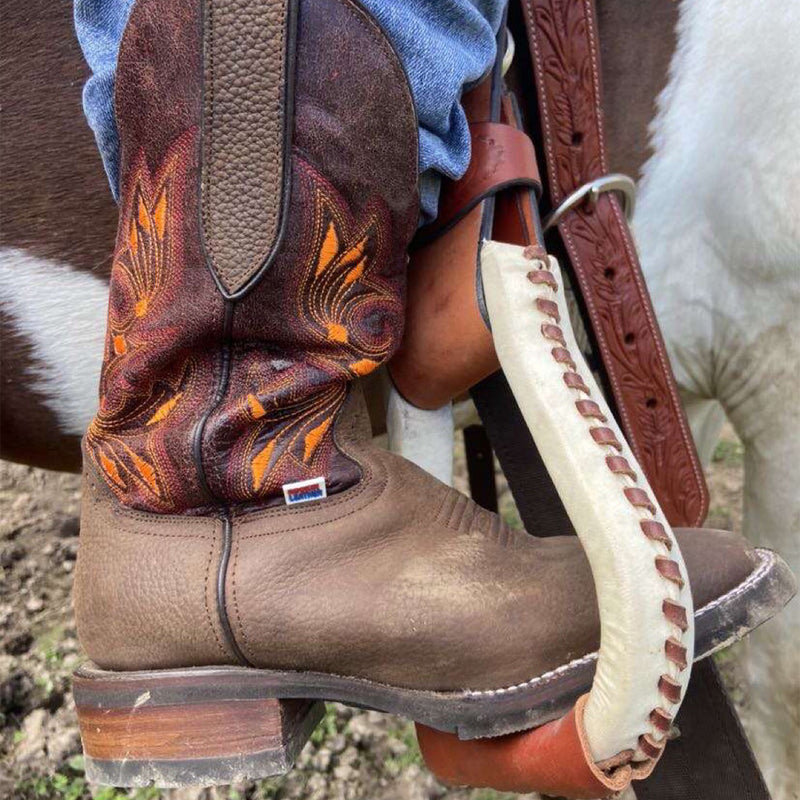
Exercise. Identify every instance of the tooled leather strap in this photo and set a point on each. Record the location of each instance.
(563, 44)
(502, 157)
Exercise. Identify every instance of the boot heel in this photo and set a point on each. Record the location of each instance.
(172, 728)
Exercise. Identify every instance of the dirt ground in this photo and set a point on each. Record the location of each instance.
(353, 754)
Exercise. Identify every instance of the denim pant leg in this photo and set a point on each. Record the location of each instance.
(444, 45)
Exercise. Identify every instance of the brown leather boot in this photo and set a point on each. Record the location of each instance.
(237, 519)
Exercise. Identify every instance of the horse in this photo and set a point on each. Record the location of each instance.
(701, 105)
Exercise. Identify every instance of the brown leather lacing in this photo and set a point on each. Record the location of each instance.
(675, 652)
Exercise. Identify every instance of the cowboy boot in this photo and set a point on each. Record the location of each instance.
(241, 536)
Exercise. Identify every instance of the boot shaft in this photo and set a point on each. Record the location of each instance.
(268, 184)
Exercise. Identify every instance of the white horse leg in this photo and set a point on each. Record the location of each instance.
(720, 246)
(741, 340)
(706, 418)
(763, 407)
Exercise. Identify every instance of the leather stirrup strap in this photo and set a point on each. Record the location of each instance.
(563, 45)
(502, 157)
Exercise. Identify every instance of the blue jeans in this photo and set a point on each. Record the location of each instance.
(445, 45)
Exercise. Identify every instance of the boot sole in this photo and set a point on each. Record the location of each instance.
(219, 725)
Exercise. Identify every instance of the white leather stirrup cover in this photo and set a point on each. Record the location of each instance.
(639, 603)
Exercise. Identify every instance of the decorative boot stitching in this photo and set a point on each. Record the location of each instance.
(675, 653)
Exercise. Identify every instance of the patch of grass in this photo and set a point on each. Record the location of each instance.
(492, 794)
(47, 645)
(719, 516)
(269, 789)
(510, 515)
(45, 683)
(72, 785)
(729, 452)
(723, 656)
(412, 755)
(54, 787)
(328, 726)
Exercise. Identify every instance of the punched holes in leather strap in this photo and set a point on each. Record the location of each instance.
(502, 157)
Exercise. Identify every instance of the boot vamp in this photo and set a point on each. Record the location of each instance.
(405, 581)
(717, 561)
(411, 585)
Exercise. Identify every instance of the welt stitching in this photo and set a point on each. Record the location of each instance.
(751, 580)
(545, 677)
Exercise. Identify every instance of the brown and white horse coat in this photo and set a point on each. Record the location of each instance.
(717, 225)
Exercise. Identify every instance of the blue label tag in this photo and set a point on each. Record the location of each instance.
(304, 491)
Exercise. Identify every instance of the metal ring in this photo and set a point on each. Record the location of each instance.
(591, 191)
(511, 48)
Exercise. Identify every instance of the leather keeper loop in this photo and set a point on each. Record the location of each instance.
(502, 157)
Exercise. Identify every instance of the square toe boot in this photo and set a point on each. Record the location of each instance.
(238, 525)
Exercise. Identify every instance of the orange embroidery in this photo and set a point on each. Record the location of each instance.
(339, 291)
(256, 409)
(364, 367)
(110, 468)
(314, 437)
(260, 464)
(334, 315)
(146, 471)
(355, 253)
(142, 269)
(142, 265)
(160, 214)
(355, 273)
(337, 333)
(164, 410)
(343, 302)
(144, 217)
(328, 250)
